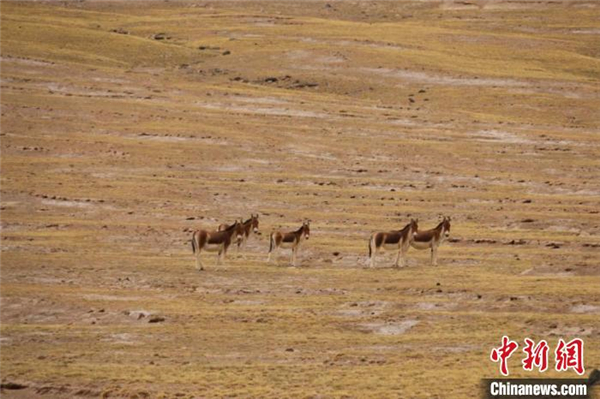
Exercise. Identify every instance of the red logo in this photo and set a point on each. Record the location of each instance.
(537, 355)
(570, 355)
(567, 355)
(502, 353)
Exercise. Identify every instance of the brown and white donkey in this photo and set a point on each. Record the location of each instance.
(290, 240)
(397, 240)
(432, 239)
(249, 226)
(213, 241)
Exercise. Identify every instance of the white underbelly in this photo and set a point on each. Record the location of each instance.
(212, 247)
(286, 245)
(421, 245)
(391, 246)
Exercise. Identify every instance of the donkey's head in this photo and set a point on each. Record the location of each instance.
(254, 221)
(237, 230)
(306, 229)
(414, 227)
(446, 226)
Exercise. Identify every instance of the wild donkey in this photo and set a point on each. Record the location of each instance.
(213, 241)
(431, 239)
(249, 226)
(289, 240)
(396, 240)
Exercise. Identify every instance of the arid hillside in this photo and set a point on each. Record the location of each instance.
(127, 125)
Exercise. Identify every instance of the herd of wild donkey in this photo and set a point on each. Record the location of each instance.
(398, 240)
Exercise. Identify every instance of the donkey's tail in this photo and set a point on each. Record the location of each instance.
(371, 244)
(194, 242)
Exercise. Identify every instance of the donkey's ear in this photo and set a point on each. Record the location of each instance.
(448, 218)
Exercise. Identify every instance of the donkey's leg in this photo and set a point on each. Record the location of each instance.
(271, 248)
(197, 248)
(225, 248)
(434, 256)
(373, 256)
(397, 257)
(238, 247)
(220, 257)
(199, 265)
(403, 252)
(271, 253)
(294, 255)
